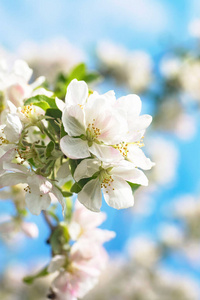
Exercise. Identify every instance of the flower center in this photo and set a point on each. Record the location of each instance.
(92, 132)
(123, 148)
(28, 110)
(28, 190)
(105, 179)
(3, 140)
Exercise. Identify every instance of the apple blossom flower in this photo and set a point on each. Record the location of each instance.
(39, 192)
(101, 126)
(52, 57)
(79, 273)
(83, 224)
(111, 180)
(92, 125)
(132, 68)
(11, 226)
(14, 83)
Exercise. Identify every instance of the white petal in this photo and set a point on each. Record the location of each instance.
(118, 194)
(13, 128)
(105, 153)
(12, 179)
(60, 104)
(73, 120)
(77, 93)
(130, 105)
(6, 157)
(138, 158)
(133, 175)
(37, 83)
(12, 108)
(39, 184)
(86, 168)
(56, 192)
(30, 229)
(140, 123)
(56, 263)
(35, 203)
(90, 196)
(63, 172)
(22, 69)
(14, 167)
(74, 148)
(42, 91)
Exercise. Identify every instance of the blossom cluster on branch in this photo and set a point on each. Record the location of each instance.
(55, 145)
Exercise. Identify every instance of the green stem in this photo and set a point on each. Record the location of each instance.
(45, 130)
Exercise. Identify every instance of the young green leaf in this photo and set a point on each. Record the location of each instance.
(133, 186)
(30, 279)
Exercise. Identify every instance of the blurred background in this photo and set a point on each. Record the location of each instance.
(147, 47)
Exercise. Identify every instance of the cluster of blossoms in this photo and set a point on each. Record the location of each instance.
(133, 69)
(88, 144)
(142, 276)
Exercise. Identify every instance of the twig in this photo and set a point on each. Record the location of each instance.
(47, 219)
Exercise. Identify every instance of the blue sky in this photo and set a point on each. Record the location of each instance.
(85, 22)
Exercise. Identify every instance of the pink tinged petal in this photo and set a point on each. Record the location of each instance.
(12, 179)
(106, 119)
(77, 93)
(138, 158)
(73, 120)
(86, 168)
(57, 193)
(7, 157)
(90, 196)
(38, 184)
(60, 104)
(119, 194)
(56, 263)
(87, 270)
(36, 203)
(30, 229)
(101, 236)
(74, 148)
(85, 218)
(129, 105)
(105, 153)
(130, 174)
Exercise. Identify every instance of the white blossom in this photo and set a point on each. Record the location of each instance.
(111, 180)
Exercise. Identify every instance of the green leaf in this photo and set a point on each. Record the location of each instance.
(73, 164)
(133, 186)
(77, 186)
(50, 148)
(66, 194)
(42, 101)
(93, 76)
(78, 72)
(55, 113)
(30, 279)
